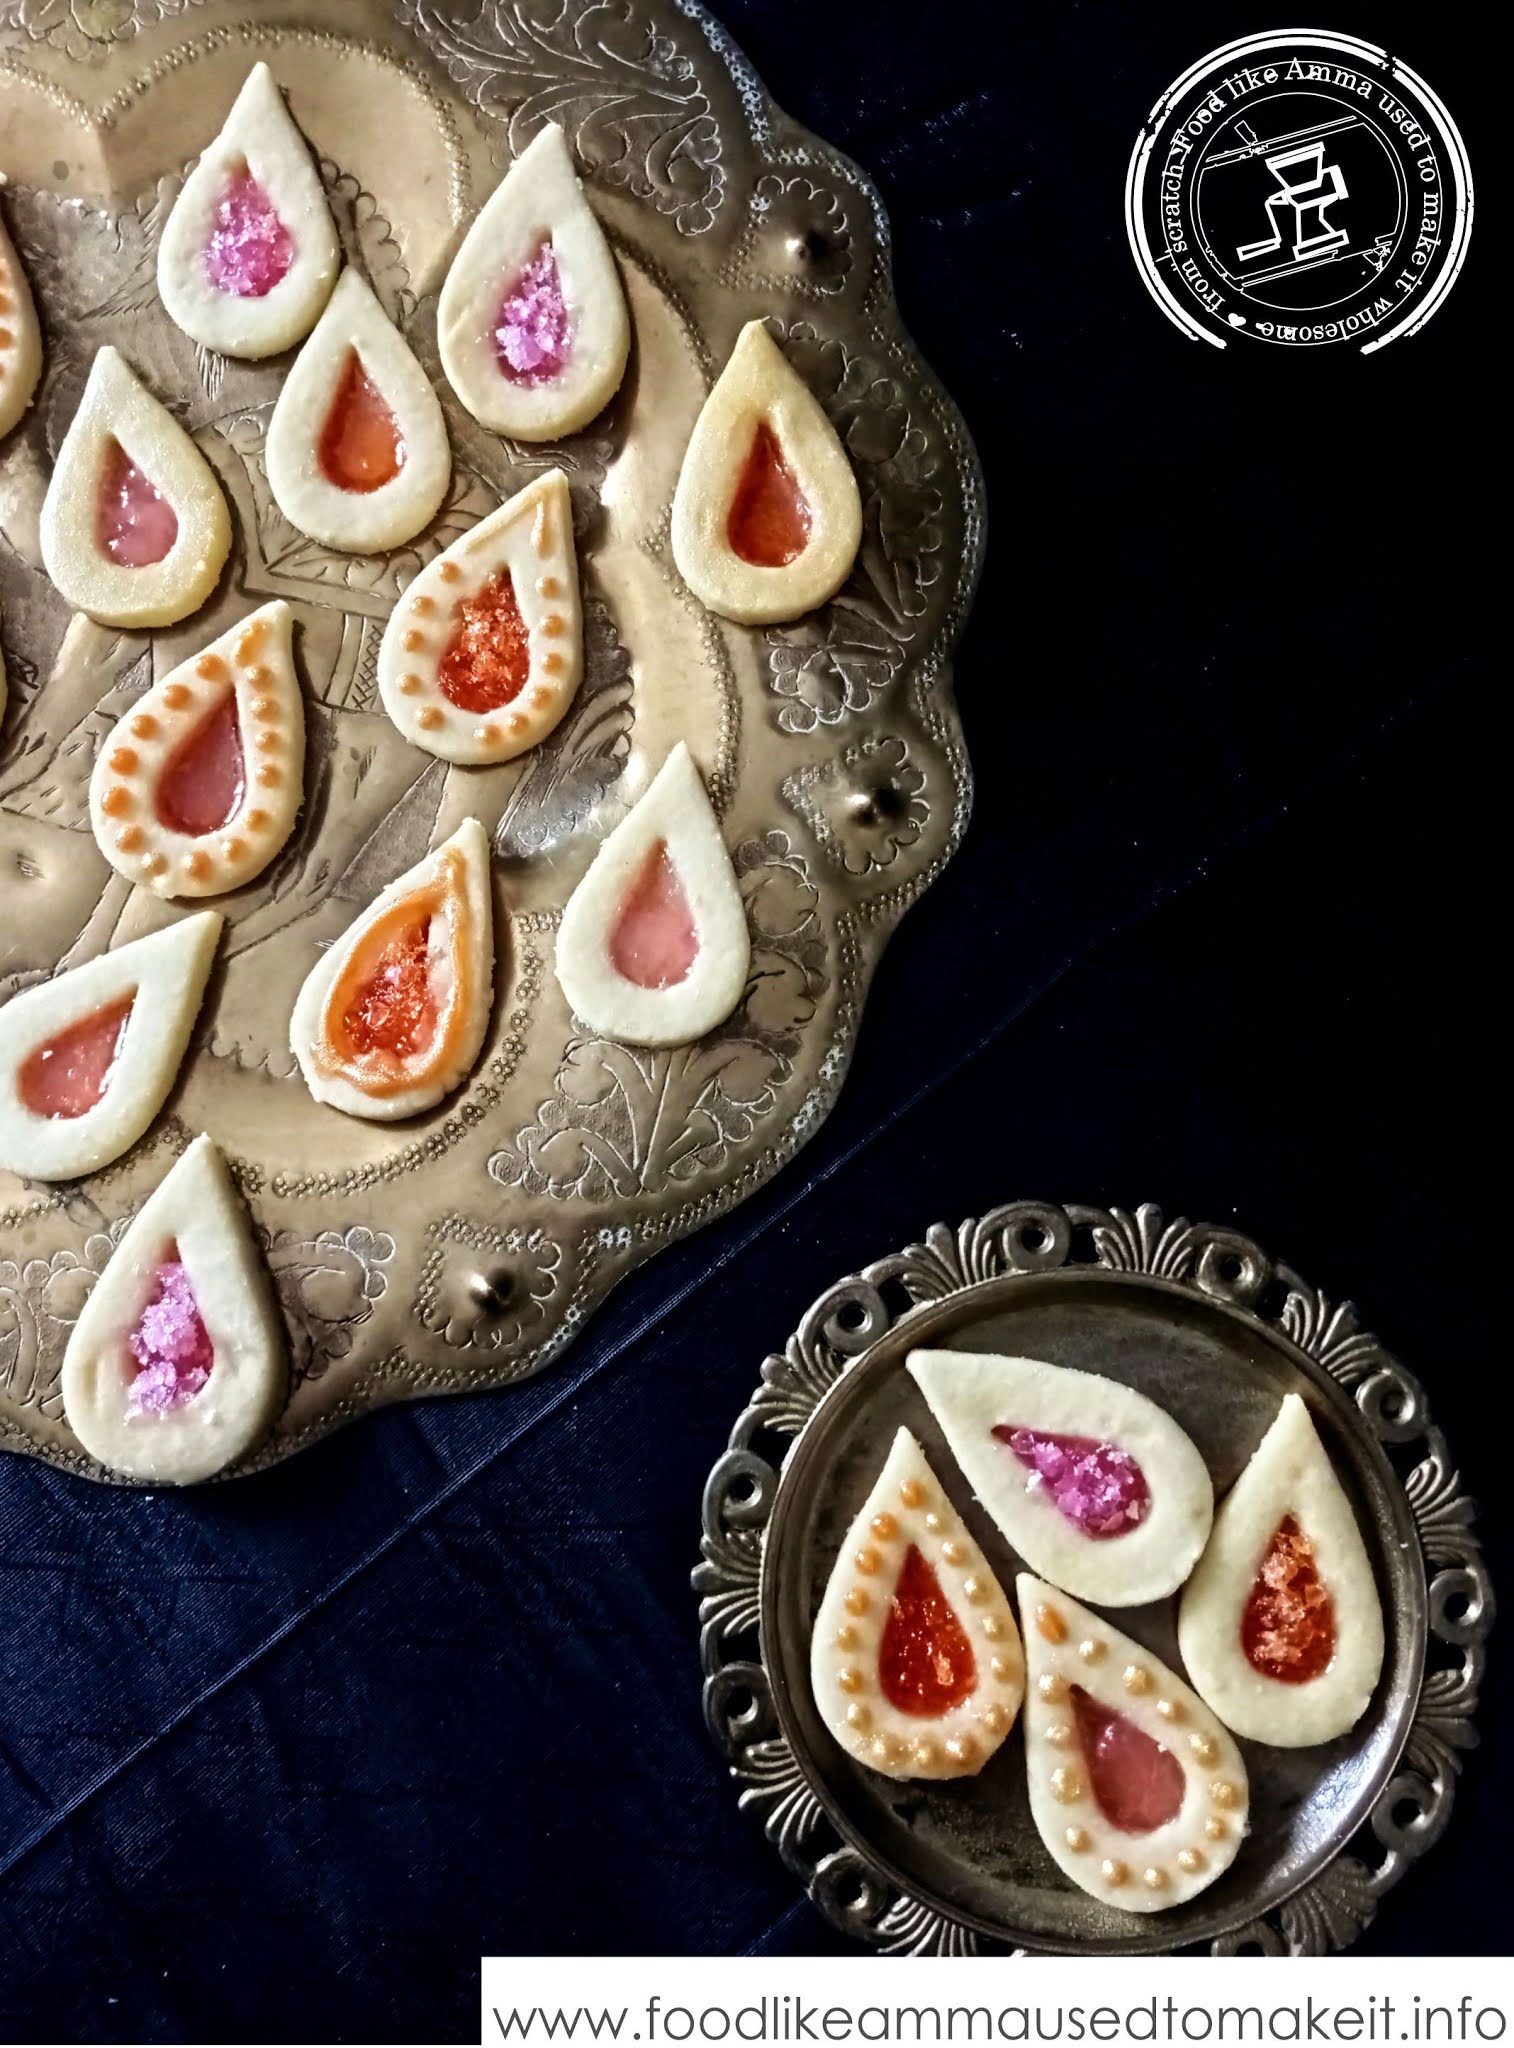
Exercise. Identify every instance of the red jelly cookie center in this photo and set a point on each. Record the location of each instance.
(488, 659)
(393, 1009)
(205, 777)
(134, 525)
(70, 1073)
(361, 447)
(925, 1662)
(769, 523)
(1137, 1784)
(654, 940)
(250, 249)
(170, 1344)
(533, 334)
(1097, 1486)
(1288, 1628)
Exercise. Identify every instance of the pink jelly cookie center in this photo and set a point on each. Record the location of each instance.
(533, 334)
(250, 249)
(170, 1344)
(134, 524)
(1097, 1486)
(1137, 1784)
(654, 940)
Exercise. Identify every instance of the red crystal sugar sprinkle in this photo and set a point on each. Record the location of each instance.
(1097, 1486)
(1288, 1628)
(249, 250)
(487, 661)
(769, 522)
(134, 525)
(394, 1010)
(1137, 1784)
(654, 940)
(170, 1344)
(361, 447)
(70, 1073)
(205, 777)
(925, 1662)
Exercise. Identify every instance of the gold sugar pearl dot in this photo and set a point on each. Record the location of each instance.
(1136, 1678)
(849, 1680)
(261, 678)
(1154, 1878)
(1170, 1710)
(256, 821)
(925, 1752)
(1076, 1839)
(123, 761)
(1113, 1871)
(177, 696)
(885, 1528)
(448, 571)
(548, 586)
(517, 723)
(1001, 1668)
(1224, 1793)
(1050, 1624)
(552, 664)
(129, 838)
(846, 1637)
(270, 775)
(992, 1628)
(116, 801)
(912, 1493)
(198, 865)
(409, 684)
(1091, 1649)
(5, 337)
(487, 735)
(252, 640)
(960, 1748)
(857, 1601)
(234, 849)
(553, 625)
(994, 1718)
(1204, 1748)
(886, 1748)
(974, 1590)
(212, 668)
(413, 641)
(428, 717)
(1216, 1829)
(867, 1561)
(953, 1552)
(933, 1523)
(268, 742)
(265, 707)
(1066, 1785)
(541, 698)
(1051, 1687)
(1191, 1860)
(154, 864)
(144, 725)
(859, 1715)
(1060, 1734)
(423, 606)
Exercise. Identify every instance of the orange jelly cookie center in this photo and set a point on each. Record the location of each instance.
(487, 661)
(1288, 1628)
(654, 940)
(769, 523)
(361, 447)
(392, 1008)
(68, 1075)
(925, 1662)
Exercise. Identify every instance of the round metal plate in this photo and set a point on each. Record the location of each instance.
(1200, 1320)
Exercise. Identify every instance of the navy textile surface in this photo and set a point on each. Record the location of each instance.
(278, 1761)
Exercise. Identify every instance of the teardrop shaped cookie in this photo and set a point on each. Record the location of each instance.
(87, 1059)
(1096, 1487)
(1281, 1626)
(1137, 1791)
(483, 652)
(134, 528)
(532, 322)
(20, 337)
(915, 1659)
(767, 518)
(392, 1017)
(177, 1364)
(357, 448)
(249, 253)
(196, 788)
(653, 946)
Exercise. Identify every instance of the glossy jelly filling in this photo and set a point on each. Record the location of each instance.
(1137, 1784)
(1288, 1628)
(925, 1662)
(170, 1344)
(250, 249)
(205, 777)
(1097, 1486)
(769, 521)
(653, 941)
(533, 330)
(487, 660)
(361, 447)
(68, 1075)
(134, 524)
(392, 1007)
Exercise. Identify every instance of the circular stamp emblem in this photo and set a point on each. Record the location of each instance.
(1299, 189)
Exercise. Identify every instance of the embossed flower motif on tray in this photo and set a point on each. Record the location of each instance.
(40, 1301)
(485, 1288)
(865, 806)
(81, 28)
(799, 239)
(328, 1285)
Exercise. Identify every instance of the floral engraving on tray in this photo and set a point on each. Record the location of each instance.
(866, 806)
(837, 662)
(630, 99)
(798, 239)
(40, 1302)
(487, 1289)
(327, 1285)
(85, 28)
(625, 1120)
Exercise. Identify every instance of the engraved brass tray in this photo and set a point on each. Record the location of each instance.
(464, 1249)
(1200, 1319)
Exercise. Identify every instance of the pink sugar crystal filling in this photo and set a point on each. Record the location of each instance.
(1098, 1487)
(532, 337)
(171, 1346)
(250, 249)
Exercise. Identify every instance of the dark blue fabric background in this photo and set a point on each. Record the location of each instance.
(278, 1761)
